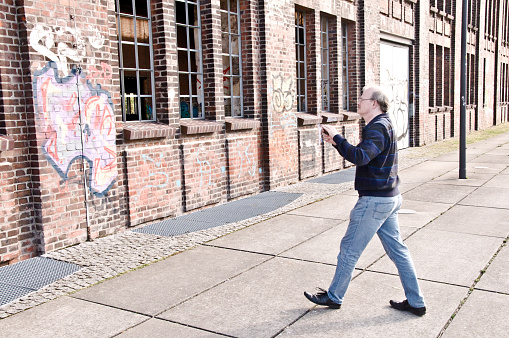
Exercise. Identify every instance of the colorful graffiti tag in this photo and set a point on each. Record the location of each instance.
(43, 39)
(78, 121)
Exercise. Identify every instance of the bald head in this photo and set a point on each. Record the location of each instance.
(377, 94)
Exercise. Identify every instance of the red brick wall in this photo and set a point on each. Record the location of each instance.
(204, 173)
(153, 183)
(64, 97)
(18, 232)
(244, 166)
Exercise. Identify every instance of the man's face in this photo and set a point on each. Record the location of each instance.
(364, 103)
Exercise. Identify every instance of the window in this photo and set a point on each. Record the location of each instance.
(505, 23)
(439, 79)
(471, 79)
(344, 52)
(324, 35)
(232, 63)
(484, 83)
(431, 75)
(504, 83)
(190, 69)
(136, 60)
(448, 83)
(300, 57)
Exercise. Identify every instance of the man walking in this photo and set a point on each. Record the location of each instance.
(376, 211)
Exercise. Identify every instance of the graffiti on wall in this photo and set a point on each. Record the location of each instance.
(394, 77)
(70, 44)
(397, 90)
(247, 158)
(282, 123)
(282, 96)
(282, 104)
(156, 176)
(78, 121)
(205, 169)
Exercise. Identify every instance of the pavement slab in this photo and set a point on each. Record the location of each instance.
(484, 168)
(490, 158)
(324, 248)
(433, 165)
(343, 204)
(275, 235)
(499, 181)
(417, 214)
(158, 287)
(404, 186)
(438, 193)
(155, 328)
(473, 220)
(69, 317)
(499, 151)
(484, 314)
(257, 303)
(488, 197)
(454, 156)
(423, 172)
(446, 257)
(473, 179)
(366, 311)
(496, 278)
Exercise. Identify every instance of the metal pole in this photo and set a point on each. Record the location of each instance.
(463, 90)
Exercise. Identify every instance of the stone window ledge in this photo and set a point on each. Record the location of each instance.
(6, 143)
(146, 130)
(331, 117)
(348, 116)
(237, 123)
(305, 119)
(193, 127)
(434, 110)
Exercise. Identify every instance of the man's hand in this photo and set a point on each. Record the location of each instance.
(328, 133)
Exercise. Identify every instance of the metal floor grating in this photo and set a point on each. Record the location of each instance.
(22, 278)
(8, 293)
(223, 214)
(342, 176)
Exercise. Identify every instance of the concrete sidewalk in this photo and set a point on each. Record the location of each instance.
(250, 283)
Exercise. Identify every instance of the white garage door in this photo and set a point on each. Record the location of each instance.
(394, 78)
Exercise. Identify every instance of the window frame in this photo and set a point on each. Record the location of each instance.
(122, 69)
(301, 93)
(325, 64)
(344, 67)
(230, 56)
(199, 53)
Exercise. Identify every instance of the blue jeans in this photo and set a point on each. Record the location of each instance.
(369, 216)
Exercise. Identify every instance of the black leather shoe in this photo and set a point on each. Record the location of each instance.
(404, 306)
(322, 298)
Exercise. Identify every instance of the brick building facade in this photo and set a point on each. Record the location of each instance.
(119, 113)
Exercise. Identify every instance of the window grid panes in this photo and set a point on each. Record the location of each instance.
(344, 52)
(190, 69)
(300, 57)
(232, 59)
(325, 64)
(136, 60)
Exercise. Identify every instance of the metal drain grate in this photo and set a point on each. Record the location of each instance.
(176, 226)
(8, 293)
(342, 176)
(227, 213)
(27, 276)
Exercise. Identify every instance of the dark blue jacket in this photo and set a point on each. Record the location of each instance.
(376, 158)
